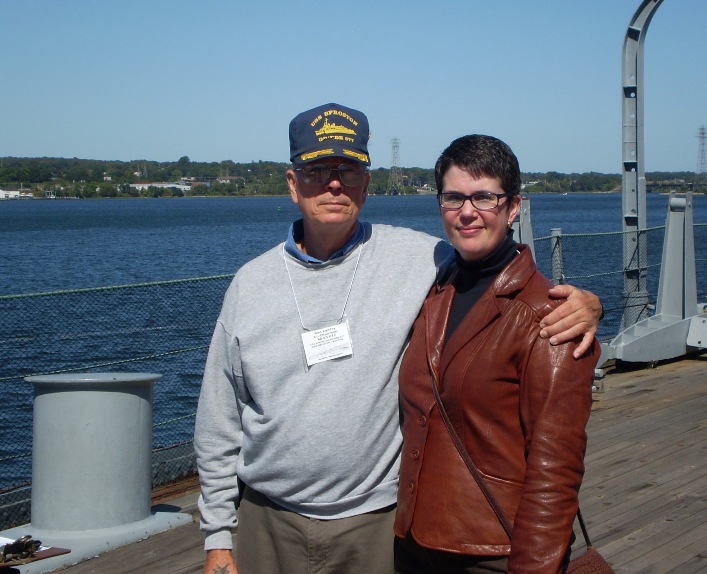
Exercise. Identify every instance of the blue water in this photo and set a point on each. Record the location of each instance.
(50, 245)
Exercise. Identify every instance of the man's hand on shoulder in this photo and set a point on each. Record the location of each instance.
(578, 316)
(220, 562)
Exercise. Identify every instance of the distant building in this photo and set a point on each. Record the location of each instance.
(171, 185)
(426, 189)
(15, 194)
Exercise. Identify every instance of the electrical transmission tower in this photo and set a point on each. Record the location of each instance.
(701, 159)
(395, 180)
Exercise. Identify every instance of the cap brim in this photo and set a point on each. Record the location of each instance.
(323, 153)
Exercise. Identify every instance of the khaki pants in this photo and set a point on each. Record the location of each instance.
(272, 540)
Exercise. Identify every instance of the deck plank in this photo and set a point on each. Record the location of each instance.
(644, 495)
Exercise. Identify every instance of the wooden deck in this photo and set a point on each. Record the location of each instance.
(644, 495)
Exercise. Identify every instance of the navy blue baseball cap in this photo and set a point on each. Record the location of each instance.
(331, 130)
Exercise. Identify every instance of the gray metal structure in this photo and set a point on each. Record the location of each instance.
(395, 179)
(91, 450)
(702, 152)
(522, 226)
(633, 174)
(679, 325)
(91, 466)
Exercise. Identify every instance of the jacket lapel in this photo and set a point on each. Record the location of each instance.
(436, 309)
(486, 310)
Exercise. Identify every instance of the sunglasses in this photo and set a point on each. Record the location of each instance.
(348, 174)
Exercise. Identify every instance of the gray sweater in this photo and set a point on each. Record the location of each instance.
(323, 441)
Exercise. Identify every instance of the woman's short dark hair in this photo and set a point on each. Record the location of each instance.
(481, 156)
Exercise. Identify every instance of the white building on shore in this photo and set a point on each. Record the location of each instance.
(145, 186)
(15, 194)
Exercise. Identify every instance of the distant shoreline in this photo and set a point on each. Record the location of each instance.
(534, 193)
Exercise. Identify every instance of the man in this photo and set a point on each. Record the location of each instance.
(298, 422)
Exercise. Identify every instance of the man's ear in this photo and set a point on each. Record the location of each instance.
(292, 184)
(365, 188)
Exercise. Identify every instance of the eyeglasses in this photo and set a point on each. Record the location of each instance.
(483, 201)
(321, 173)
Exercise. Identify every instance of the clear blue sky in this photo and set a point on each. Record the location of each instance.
(219, 80)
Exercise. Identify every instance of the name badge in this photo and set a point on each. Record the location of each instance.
(327, 343)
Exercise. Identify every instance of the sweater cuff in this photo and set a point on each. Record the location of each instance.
(219, 540)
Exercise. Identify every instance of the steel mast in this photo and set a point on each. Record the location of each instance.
(634, 177)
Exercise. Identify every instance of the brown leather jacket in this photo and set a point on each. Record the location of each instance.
(520, 407)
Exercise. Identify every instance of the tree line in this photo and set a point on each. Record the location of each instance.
(85, 178)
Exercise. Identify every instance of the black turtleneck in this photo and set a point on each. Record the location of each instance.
(473, 278)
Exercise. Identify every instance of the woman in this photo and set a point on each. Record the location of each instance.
(518, 404)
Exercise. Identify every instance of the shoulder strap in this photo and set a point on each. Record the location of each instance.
(585, 534)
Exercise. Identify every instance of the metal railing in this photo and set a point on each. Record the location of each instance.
(165, 327)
